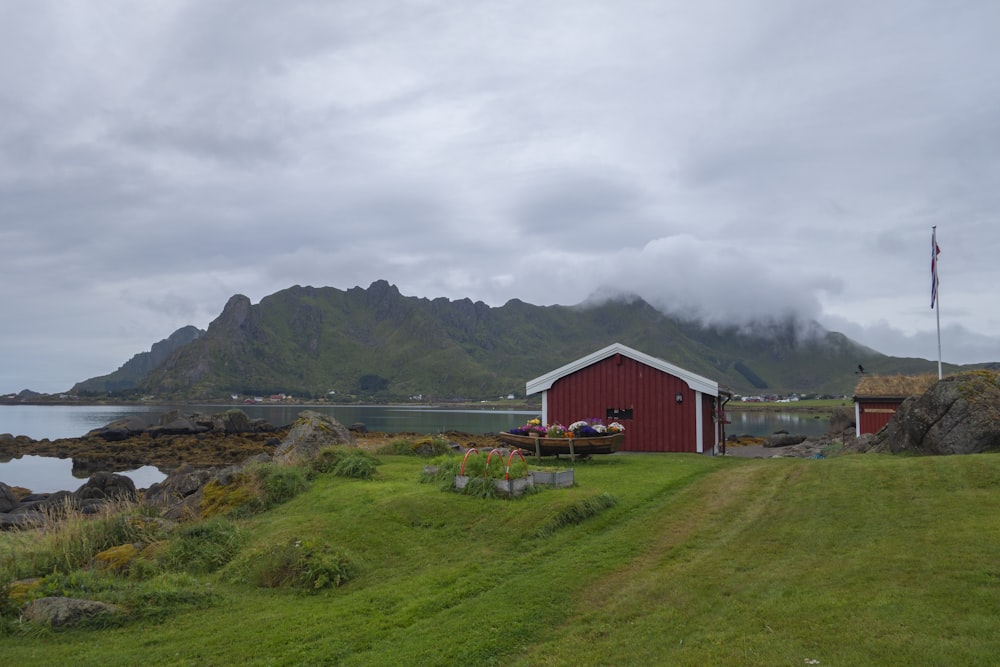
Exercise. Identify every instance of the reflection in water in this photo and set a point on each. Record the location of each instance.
(762, 423)
(46, 474)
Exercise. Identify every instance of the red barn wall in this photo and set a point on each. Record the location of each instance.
(876, 414)
(658, 424)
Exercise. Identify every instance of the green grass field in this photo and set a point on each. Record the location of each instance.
(854, 560)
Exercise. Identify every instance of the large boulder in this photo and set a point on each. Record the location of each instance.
(957, 415)
(179, 496)
(180, 493)
(311, 433)
(107, 486)
(233, 421)
(59, 612)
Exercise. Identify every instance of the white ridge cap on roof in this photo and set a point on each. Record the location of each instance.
(695, 382)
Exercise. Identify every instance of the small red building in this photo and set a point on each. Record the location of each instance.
(876, 398)
(663, 408)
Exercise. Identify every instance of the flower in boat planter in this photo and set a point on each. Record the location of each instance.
(556, 431)
(532, 428)
(585, 428)
(588, 428)
(616, 427)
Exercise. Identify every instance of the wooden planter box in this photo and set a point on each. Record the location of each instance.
(508, 487)
(557, 479)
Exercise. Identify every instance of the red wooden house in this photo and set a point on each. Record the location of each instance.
(876, 398)
(663, 408)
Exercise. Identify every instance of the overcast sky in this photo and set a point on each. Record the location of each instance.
(729, 159)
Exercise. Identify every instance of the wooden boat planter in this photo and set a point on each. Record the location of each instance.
(572, 447)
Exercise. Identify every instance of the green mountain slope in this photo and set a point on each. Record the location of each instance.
(376, 344)
(130, 374)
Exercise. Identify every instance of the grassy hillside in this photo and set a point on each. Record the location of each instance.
(855, 560)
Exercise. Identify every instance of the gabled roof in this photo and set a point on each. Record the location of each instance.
(695, 382)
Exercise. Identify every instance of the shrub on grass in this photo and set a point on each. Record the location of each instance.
(481, 487)
(422, 447)
(442, 470)
(518, 469)
(327, 460)
(10, 608)
(358, 465)
(296, 563)
(203, 547)
(476, 466)
(280, 483)
(345, 462)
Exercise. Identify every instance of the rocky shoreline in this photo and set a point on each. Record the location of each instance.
(202, 440)
(195, 441)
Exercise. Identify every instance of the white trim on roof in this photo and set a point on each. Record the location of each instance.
(695, 382)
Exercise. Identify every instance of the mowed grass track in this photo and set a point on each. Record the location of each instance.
(856, 560)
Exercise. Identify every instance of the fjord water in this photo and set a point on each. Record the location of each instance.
(764, 423)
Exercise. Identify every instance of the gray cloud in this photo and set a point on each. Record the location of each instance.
(724, 161)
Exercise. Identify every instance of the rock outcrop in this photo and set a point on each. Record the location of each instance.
(179, 495)
(176, 423)
(311, 433)
(107, 486)
(957, 415)
(202, 440)
(60, 612)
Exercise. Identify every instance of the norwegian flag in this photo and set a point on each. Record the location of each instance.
(935, 251)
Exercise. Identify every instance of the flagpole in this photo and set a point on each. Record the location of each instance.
(938, 312)
(935, 291)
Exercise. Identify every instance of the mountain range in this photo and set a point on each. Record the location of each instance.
(376, 344)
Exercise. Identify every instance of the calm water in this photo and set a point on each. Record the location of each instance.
(766, 423)
(42, 474)
(45, 475)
